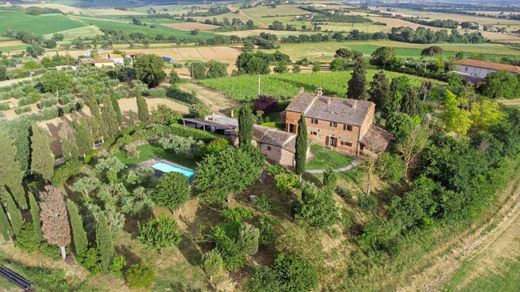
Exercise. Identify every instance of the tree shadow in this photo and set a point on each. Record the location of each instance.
(132, 222)
(131, 258)
(188, 248)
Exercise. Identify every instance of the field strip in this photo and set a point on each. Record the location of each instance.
(98, 19)
(216, 102)
(447, 258)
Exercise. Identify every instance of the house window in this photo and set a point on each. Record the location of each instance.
(292, 128)
(345, 143)
(268, 148)
(333, 124)
(314, 121)
(347, 127)
(314, 133)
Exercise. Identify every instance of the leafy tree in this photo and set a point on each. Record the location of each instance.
(417, 206)
(316, 207)
(358, 83)
(285, 182)
(150, 70)
(281, 68)
(35, 50)
(197, 70)
(456, 119)
(198, 110)
(216, 69)
(160, 233)
(294, 273)
(330, 180)
(245, 126)
(379, 89)
(79, 236)
(15, 215)
(394, 100)
(54, 81)
(173, 190)
(140, 276)
(226, 172)
(485, 114)
(501, 84)
(110, 168)
(263, 279)
(316, 67)
(383, 57)
(174, 78)
(10, 174)
(301, 147)
(253, 63)
(432, 51)
(5, 226)
(412, 140)
(105, 246)
(390, 167)
(213, 264)
(55, 223)
(35, 215)
(42, 159)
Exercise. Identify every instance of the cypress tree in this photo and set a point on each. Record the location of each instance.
(117, 109)
(132, 120)
(79, 235)
(42, 159)
(92, 103)
(379, 89)
(245, 127)
(35, 215)
(15, 215)
(11, 176)
(142, 106)
(301, 147)
(108, 118)
(358, 83)
(5, 226)
(83, 137)
(105, 246)
(69, 147)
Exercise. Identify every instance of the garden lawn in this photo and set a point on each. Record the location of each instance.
(326, 158)
(148, 151)
(286, 85)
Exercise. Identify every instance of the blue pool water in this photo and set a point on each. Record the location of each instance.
(168, 167)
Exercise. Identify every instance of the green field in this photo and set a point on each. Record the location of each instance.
(324, 158)
(324, 51)
(44, 24)
(286, 85)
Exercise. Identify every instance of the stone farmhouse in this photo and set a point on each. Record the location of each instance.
(476, 70)
(346, 125)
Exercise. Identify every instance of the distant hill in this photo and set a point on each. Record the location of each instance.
(118, 3)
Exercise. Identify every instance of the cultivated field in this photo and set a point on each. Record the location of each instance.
(284, 86)
(191, 26)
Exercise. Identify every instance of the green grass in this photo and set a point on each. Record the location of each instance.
(131, 28)
(326, 158)
(287, 85)
(148, 151)
(507, 278)
(42, 24)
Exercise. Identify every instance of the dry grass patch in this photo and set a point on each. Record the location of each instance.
(191, 26)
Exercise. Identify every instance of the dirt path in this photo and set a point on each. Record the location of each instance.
(512, 102)
(217, 103)
(493, 240)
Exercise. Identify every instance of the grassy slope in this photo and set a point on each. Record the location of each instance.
(46, 24)
(325, 158)
(148, 151)
(287, 85)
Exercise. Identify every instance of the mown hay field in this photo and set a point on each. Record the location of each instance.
(286, 85)
(46, 24)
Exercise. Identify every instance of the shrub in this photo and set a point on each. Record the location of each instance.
(48, 102)
(266, 226)
(198, 110)
(159, 233)
(50, 112)
(28, 239)
(89, 260)
(285, 182)
(66, 171)
(295, 273)
(266, 104)
(213, 264)
(263, 203)
(217, 145)
(140, 276)
(5, 106)
(22, 110)
(173, 190)
(118, 264)
(157, 92)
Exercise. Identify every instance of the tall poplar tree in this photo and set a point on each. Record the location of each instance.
(301, 147)
(11, 176)
(15, 215)
(245, 126)
(105, 245)
(5, 226)
(142, 106)
(79, 235)
(35, 215)
(357, 85)
(42, 159)
(55, 222)
(379, 89)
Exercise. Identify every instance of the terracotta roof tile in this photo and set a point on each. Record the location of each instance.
(376, 138)
(489, 65)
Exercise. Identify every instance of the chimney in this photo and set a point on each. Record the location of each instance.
(319, 91)
(354, 105)
(302, 90)
(329, 100)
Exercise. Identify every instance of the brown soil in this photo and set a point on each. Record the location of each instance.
(10, 43)
(217, 103)
(191, 26)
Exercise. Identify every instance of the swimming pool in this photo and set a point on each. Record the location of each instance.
(166, 167)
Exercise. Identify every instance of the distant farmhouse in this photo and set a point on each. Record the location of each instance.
(476, 70)
(346, 125)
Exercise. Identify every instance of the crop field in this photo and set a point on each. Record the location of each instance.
(459, 17)
(324, 51)
(188, 26)
(19, 21)
(286, 85)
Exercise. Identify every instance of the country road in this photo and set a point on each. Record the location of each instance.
(487, 243)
